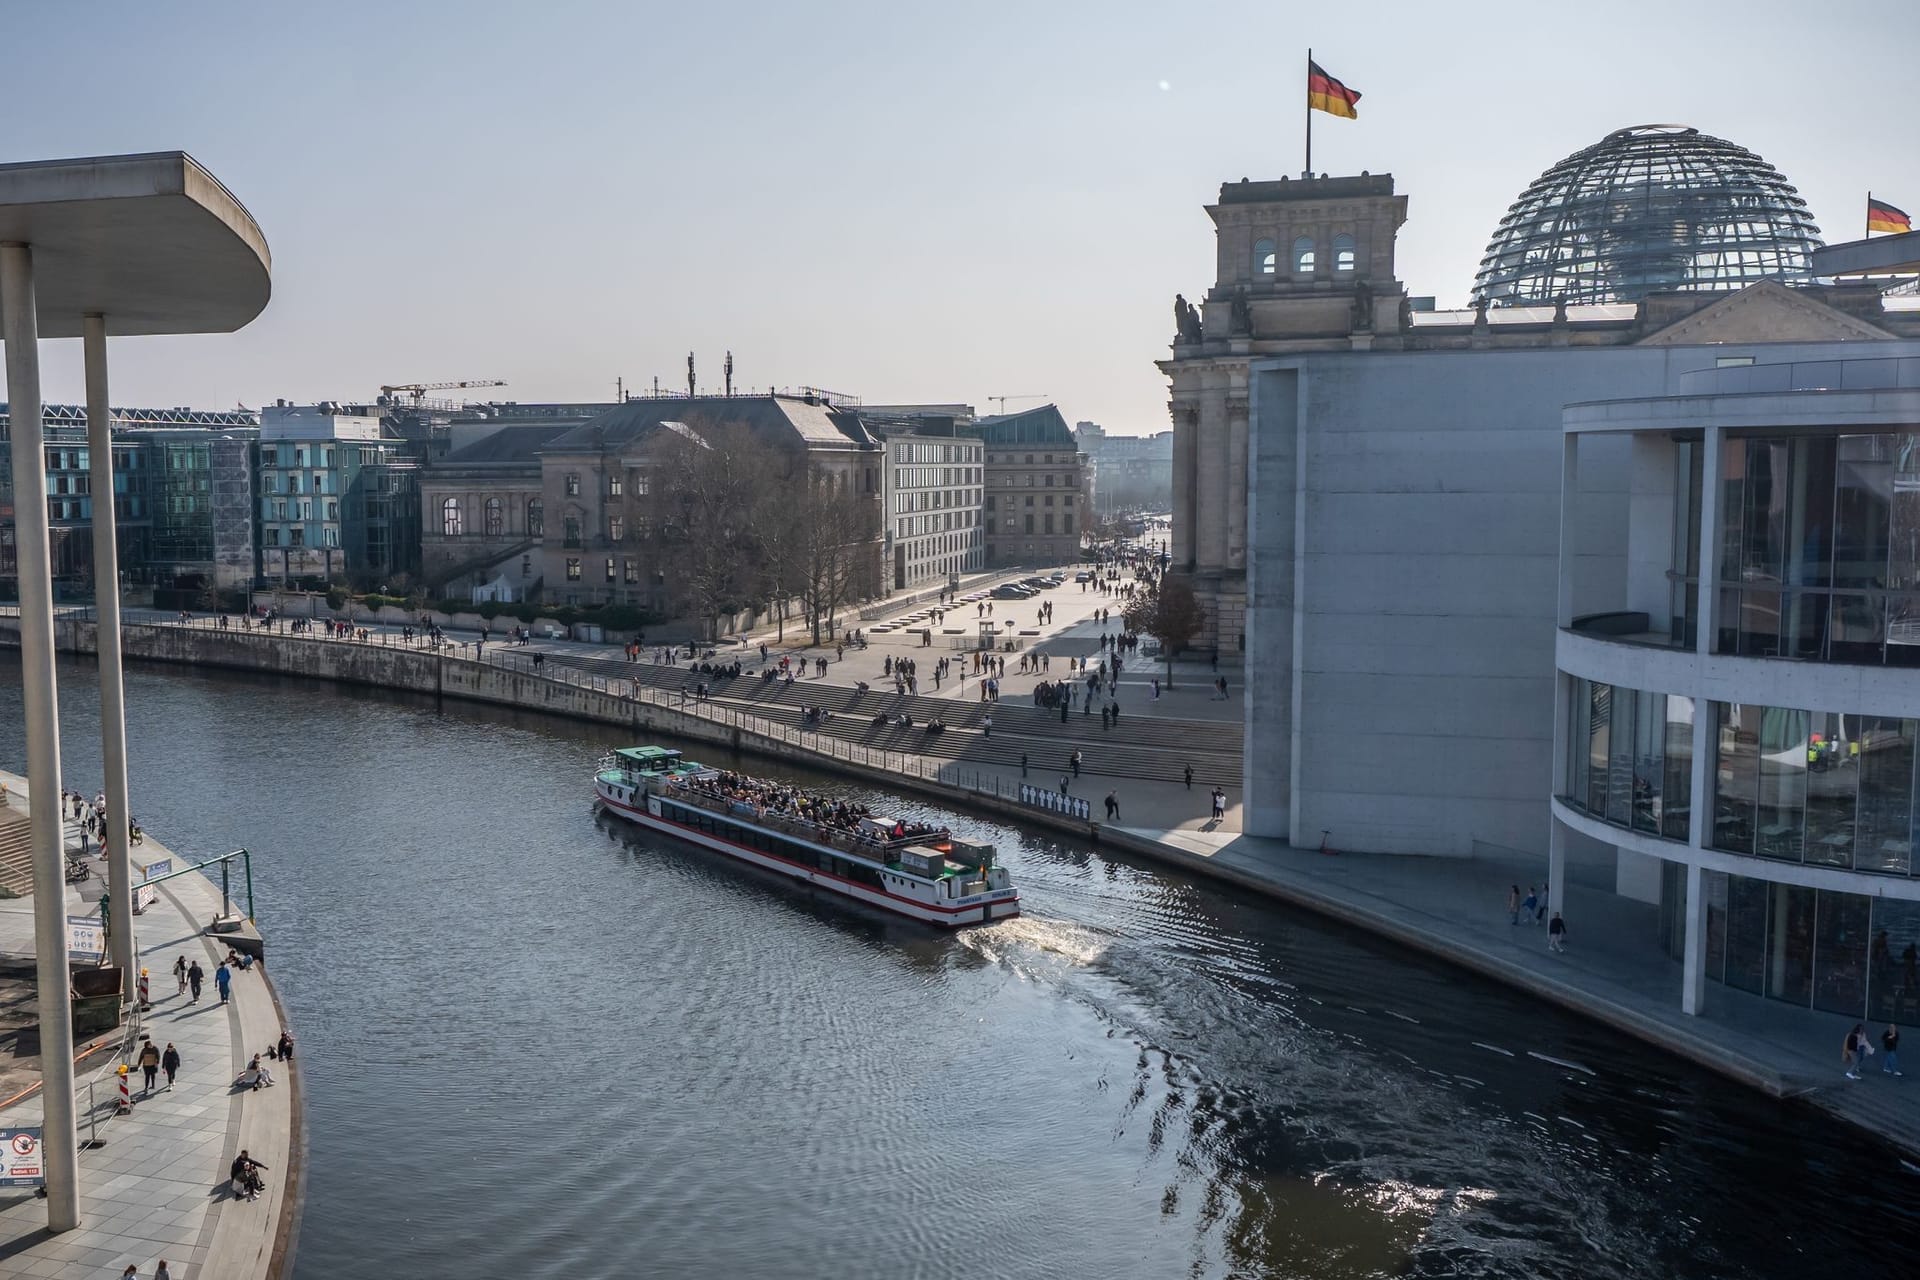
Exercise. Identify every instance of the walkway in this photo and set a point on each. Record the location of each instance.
(156, 1187)
(1612, 970)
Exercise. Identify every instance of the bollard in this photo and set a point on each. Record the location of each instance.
(125, 1106)
(145, 1003)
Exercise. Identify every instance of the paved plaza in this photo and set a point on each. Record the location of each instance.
(156, 1187)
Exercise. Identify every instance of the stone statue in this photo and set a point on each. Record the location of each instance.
(1186, 320)
(1242, 319)
(1362, 307)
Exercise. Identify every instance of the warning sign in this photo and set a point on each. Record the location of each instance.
(20, 1158)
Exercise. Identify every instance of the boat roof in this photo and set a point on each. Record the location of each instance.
(647, 755)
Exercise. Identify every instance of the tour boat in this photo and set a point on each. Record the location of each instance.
(913, 869)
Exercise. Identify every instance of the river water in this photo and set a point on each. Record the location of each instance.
(537, 1043)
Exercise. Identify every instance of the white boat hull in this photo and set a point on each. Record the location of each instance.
(976, 909)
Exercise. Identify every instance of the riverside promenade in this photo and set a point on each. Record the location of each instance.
(1452, 908)
(156, 1186)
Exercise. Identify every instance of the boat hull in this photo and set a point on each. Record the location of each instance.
(979, 909)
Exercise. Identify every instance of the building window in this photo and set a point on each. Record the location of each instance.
(609, 568)
(1066, 524)
(273, 537)
(1263, 257)
(296, 537)
(526, 566)
(1303, 256)
(573, 569)
(1343, 254)
(631, 570)
(451, 523)
(535, 522)
(573, 484)
(496, 517)
(641, 485)
(613, 485)
(333, 510)
(616, 528)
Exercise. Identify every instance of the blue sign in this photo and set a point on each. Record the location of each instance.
(20, 1158)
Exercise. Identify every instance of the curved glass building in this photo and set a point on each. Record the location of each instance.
(1645, 210)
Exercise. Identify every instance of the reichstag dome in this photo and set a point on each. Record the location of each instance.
(1647, 210)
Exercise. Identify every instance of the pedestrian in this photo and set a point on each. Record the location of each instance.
(1074, 760)
(1219, 803)
(1023, 764)
(1529, 904)
(149, 1061)
(131, 1273)
(1853, 1051)
(987, 730)
(1540, 912)
(1113, 709)
(223, 979)
(1113, 807)
(180, 973)
(195, 976)
(1890, 1047)
(170, 1063)
(1557, 933)
(1513, 904)
(1189, 773)
(160, 1271)
(1063, 784)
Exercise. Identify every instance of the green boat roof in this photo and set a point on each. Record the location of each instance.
(647, 755)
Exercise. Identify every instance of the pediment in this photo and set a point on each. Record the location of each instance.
(1765, 312)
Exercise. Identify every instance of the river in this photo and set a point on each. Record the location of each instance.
(536, 1043)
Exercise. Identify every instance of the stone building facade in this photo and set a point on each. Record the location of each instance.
(1039, 492)
(482, 513)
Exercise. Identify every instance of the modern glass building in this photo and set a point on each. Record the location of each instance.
(1652, 209)
(1742, 729)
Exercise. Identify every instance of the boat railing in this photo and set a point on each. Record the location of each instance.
(800, 828)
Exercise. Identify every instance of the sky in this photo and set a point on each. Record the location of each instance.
(904, 201)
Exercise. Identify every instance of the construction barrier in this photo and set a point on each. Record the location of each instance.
(125, 1107)
(1055, 801)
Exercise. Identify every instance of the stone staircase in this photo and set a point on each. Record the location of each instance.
(16, 851)
(1148, 748)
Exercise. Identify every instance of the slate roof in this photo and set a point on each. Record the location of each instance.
(815, 426)
(1041, 425)
(509, 446)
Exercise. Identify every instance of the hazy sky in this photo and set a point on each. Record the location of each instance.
(906, 201)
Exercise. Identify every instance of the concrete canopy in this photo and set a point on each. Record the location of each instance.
(152, 242)
(1889, 255)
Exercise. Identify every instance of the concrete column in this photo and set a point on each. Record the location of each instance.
(1236, 441)
(106, 601)
(20, 329)
(1693, 981)
(1186, 427)
(1556, 865)
(1210, 486)
(1569, 507)
(1706, 605)
(1700, 803)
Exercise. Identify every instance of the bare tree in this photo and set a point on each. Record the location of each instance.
(709, 489)
(834, 530)
(1169, 613)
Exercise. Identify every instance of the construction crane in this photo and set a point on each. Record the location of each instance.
(1002, 400)
(416, 392)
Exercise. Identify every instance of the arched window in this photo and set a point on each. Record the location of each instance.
(535, 525)
(1303, 256)
(496, 517)
(1343, 255)
(1263, 258)
(450, 522)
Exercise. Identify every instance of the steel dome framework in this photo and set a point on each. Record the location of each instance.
(1647, 210)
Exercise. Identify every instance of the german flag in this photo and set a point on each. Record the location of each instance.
(1882, 216)
(1324, 93)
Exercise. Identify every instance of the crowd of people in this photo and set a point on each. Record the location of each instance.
(800, 804)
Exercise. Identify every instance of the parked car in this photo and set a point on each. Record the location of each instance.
(1083, 576)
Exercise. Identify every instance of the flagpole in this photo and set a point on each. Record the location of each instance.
(1309, 172)
(1869, 232)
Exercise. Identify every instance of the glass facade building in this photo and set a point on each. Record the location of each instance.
(1647, 210)
(1746, 728)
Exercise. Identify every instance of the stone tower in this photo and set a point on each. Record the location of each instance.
(1302, 265)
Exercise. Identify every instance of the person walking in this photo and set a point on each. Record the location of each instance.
(160, 1271)
(1890, 1051)
(149, 1061)
(1219, 803)
(1557, 934)
(1063, 784)
(1023, 764)
(1853, 1051)
(195, 976)
(223, 979)
(180, 973)
(986, 729)
(1074, 760)
(1513, 904)
(1529, 905)
(1113, 807)
(170, 1063)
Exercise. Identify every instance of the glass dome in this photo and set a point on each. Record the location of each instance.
(1647, 210)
